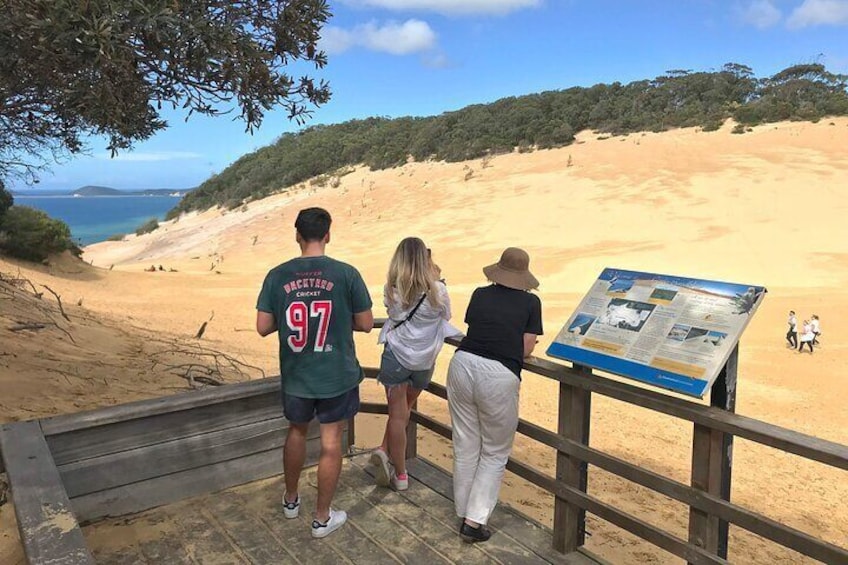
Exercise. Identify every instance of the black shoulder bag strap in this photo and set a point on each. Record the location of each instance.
(411, 312)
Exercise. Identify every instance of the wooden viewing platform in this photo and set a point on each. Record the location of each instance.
(246, 525)
(124, 460)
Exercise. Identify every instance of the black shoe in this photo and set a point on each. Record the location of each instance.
(470, 534)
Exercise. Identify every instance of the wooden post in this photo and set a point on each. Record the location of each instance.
(47, 527)
(351, 434)
(575, 408)
(412, 435)
(712, 463)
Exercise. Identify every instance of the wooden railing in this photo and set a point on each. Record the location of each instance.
(708, 494)
(114, 461)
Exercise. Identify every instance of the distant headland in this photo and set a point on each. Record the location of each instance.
(93, 190)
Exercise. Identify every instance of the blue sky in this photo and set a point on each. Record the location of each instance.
(422, 57)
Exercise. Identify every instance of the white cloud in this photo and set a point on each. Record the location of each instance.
(151, 156)
(819, 12)
(760, 13)
(437, 61)
(450, 7)
(336, 40)
(411, 36)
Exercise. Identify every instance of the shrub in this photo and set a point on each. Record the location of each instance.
(116, 237)
(30, 234)
(738, 128)
(147, 227)
(320, 180)
(232, 204)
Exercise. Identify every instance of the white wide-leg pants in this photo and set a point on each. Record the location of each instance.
(483, 402)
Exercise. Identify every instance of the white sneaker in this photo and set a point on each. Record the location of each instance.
(399, 483)
(334, 522)
(291, 509)
(380, 459)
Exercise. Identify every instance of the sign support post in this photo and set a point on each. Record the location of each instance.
(575, 409)
(712, 463)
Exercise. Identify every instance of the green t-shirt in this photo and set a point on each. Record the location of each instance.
(313, 300)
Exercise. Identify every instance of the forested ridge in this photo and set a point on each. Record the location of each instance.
(679, 98)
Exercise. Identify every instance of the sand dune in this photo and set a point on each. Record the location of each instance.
(767, 207)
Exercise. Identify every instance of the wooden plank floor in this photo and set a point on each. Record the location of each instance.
(246, 525)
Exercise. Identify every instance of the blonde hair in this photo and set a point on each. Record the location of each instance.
(412, 273)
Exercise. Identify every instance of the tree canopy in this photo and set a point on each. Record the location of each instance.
(6, 200)
(679, 98)
(107, 67)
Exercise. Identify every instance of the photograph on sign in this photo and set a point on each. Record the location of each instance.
(668, 331)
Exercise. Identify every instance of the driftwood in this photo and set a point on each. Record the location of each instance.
(202, 329)
(22, 326)
(59, 300)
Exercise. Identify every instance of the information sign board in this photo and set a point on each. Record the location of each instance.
(668, 331)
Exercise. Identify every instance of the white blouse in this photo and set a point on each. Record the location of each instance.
(417, 343)
(807, 334)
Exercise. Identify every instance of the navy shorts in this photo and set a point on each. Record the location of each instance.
(392, 373)
(299, 410)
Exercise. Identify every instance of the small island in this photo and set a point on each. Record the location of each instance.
(92, 190)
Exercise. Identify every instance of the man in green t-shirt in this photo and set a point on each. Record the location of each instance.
(315, 303)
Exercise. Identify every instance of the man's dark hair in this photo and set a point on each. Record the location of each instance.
(313, 224)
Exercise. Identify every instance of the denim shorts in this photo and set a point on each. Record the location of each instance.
(298, 410)
(392, 373)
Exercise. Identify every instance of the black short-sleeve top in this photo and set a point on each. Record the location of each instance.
(497, 318)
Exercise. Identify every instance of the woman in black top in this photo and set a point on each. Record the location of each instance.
(483, 381)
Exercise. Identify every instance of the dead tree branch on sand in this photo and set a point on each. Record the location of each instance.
(19, 281)
(202, 329)
(199, 364)
(188, 372)
(31, 326)
(34, 290)
(59, 300)
(14, 286)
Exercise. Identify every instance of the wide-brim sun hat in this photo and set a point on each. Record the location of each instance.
(513, 270)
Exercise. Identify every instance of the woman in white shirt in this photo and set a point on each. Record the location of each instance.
(806, 337)
(814, 325)
(419, 309)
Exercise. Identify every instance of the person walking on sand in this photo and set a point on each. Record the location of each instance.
(484, 375)
(816, 329)
(418, 306)
(806, 337)
(315, 303)
(792, 334)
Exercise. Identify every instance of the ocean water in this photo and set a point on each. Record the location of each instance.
(95, 218)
